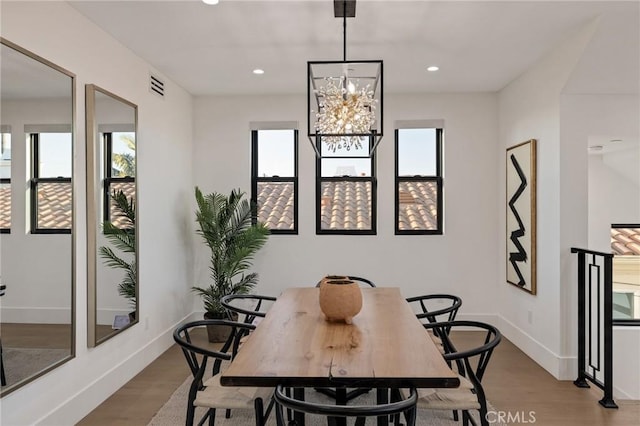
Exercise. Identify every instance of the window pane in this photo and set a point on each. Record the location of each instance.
(417, 152)
(276, 149)
(337, 167)
(418, 206)
(5, 156)
(5, 205)
(54, 205)
(123, 154)
(55, 155)
(276, 205)
(346, 205)
(363, 151)
(129, 189)
(625, 245)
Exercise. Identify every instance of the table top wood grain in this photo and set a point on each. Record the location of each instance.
(386, 346)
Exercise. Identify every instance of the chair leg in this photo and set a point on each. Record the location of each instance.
(259, 412)
(190, 414)
(279, 415)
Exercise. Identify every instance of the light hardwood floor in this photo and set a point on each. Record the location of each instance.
(514, 384)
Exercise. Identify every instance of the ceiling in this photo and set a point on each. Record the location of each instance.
(479, 46)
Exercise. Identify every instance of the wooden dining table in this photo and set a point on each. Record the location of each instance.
(385, 347)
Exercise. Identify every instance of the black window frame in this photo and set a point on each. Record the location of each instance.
(109, 179)
(7, 181)
(34, 139)
(438, 179)
(374, 190)
(255, 180)
(4, 181)
(625, 321)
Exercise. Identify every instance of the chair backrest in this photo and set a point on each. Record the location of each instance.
(461, 360)
(363, 282)
(282, 400)
(248, 307)
(197, 356)
(431, 310)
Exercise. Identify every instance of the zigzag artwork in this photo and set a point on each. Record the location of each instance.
(521, 254)
(520, 204)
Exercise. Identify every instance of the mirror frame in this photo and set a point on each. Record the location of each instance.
(72, 350)
(93, 207)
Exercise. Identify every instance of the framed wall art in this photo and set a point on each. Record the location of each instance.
(521, 216)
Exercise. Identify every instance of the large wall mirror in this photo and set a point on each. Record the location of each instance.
(111, 209)
(37, 308)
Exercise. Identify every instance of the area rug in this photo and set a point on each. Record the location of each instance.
(20, 363)
(173, 412)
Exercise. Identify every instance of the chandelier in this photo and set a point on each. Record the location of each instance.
(344, 99)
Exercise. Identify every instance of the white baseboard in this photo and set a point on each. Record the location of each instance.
(562, 368)
(36, 315)
(88, 398)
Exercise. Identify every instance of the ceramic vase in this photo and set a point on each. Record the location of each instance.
(340, 300)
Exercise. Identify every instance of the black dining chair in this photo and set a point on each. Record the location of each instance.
(206, 391)
(433, 308)
(249, 307)
(470, 364)
(337, 414)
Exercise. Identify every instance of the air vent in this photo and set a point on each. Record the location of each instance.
(156, 85)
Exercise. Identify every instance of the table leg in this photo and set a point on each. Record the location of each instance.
(382, 397)
(341, 399)
(298, 417)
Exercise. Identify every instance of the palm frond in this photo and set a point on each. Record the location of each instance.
(123, 239)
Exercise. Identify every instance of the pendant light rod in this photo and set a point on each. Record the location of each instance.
(344, 32)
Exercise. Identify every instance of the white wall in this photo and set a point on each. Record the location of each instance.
(462, 261)
(60, 34)
(613, 198)
(529, 108)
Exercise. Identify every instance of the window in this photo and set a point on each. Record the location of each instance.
(274, 179)
(5, 181)
(51, 183)
(625, 246)
(418, 181)
(346, 190)
(120, 171)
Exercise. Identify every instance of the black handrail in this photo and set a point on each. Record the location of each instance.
(604, 319)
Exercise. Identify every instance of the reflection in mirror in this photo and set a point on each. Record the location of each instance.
(36, 217)
(111, 209)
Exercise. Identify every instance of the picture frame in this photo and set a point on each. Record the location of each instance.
(520, 204)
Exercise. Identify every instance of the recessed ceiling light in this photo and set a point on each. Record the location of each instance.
(210, 1)
(258, 71)
(595, 147)
(615, 140)
(433, 68)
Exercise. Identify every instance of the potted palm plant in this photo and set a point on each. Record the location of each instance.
(225, 225)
